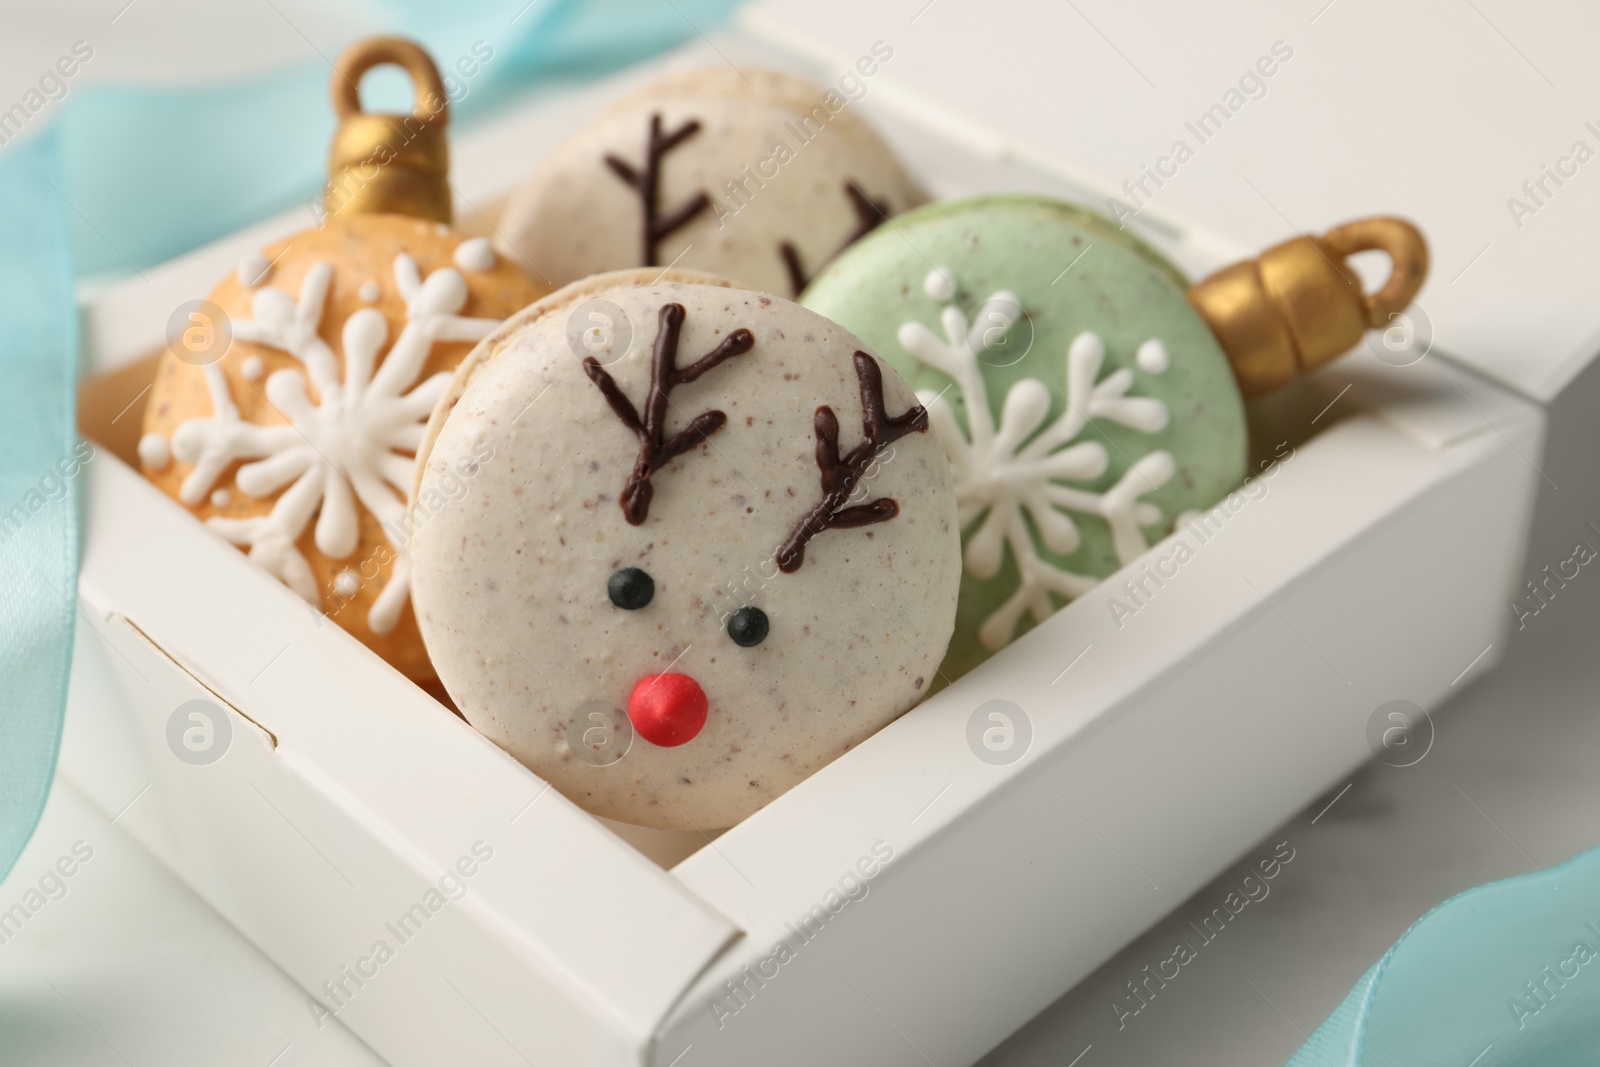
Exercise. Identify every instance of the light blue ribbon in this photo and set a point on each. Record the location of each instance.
(1504, 974)
(130, 177)
(38, 502)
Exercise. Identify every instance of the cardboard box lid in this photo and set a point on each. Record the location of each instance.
(1437, 112)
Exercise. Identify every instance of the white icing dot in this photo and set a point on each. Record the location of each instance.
(372, 290)
(475, 254)
(251, 368)
(1152, 357)
(252, 270)
(221, 498)
(940, 284)
(154, 451)
(347, 583)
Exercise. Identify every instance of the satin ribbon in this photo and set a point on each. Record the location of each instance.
(38, 498)
(1504, 974)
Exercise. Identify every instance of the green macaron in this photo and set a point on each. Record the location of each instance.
(1083, 404)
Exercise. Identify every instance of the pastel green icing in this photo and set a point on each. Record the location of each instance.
(1116, 287)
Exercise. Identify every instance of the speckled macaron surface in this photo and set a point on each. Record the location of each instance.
(1082, 403)
(753, 174)
(676, 650)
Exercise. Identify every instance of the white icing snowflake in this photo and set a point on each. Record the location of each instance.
(1017, 469)
(343, 447)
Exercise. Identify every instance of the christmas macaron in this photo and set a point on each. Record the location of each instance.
(754, 175)
(1081, 401)
(287, 415)
(288, 408)
(717, 546)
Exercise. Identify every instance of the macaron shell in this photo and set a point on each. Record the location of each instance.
(775, 155)
(1072, 272)
(362, 250)
(560, 302)
(511, 584)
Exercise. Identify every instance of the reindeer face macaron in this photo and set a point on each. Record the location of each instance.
(714, 549)
(754, 174)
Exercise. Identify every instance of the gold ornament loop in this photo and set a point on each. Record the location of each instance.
(1298, 305)
(1408, 259)
(430, 103)
(388, 164)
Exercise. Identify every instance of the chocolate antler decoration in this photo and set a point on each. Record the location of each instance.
(655, 450)
(647, 182)
(869, 213)
(841, 474)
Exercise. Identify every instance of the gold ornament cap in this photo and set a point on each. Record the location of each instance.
(385, 164)
(1298, 305)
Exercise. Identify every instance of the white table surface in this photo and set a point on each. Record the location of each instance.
(130, 968)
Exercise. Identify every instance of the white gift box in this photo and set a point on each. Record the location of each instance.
(927, 893)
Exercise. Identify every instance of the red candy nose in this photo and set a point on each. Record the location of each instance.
(667, 709)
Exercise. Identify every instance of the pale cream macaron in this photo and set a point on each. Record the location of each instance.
(707, 545)
(759, 176)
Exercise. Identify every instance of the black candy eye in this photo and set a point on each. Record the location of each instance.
(631, 589)
(748, 627)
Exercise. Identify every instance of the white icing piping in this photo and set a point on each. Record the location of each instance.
(1004, 472)
(1152, 357)
(154, 451)
(344, 447)
(253, 270)
(475, 254)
